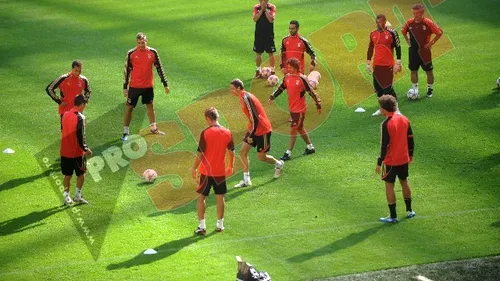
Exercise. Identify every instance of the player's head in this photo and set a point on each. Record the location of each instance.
(265, 1)
(211, 115)
(76, 68)
(292, 65)
(80, 102)
(236, 87)
(294, 27)
(418, 11)
(142, 40)
(381, 21)
(387, 103)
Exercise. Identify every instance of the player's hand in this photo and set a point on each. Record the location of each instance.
(411, 159)
(63, 104)
(377, 170)
(369, 67)
(311, 67)
(88, 152)
(396, 68)
(270, 101)
(125, 93)
(248, 140)
(229, 171)
(194, 173)
(167, 90)
(283, 70)
(318, 110)
(263, 5)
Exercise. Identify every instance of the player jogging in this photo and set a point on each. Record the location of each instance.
(139, 82)
(74, 149)
(294, 46)
(296, 85)
(420, 30)
(258, 135)
(263, 16)
(70, 85)
(383, 41)
(396, 151)
(214, 141)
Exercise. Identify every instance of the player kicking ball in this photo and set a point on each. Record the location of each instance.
(258, 135)
(296, 85)
(396, 152)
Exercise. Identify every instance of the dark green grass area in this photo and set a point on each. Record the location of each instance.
(319, 220)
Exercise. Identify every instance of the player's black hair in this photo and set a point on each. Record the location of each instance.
(294, 62)
(387, 102)
(212, 113)
(79, 100)
(381, 16)
(238, 83)
(76, 63)
(296, 22)
(141, 35)
(418, 6)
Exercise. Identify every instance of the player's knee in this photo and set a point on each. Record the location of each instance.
(261, 156)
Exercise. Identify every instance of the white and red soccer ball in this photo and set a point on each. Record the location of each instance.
(149, 175)
(273, 80)
(412, 94)
(314, 78)
(265, 72)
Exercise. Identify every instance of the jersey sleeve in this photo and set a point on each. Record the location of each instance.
(253, 114)
(384, 142)
(396, 44)
(159, 69)
(283, 52)
(405, 28)
(411, 143)
(87, 91)
(433, 26)
(50, 89)
(230, 144)
(272, 11)
(279, 90)
(127, 71)
(202, 144)
(309, 49)
(371, 47)
(255, 9)
(80, 132)
(311, 91)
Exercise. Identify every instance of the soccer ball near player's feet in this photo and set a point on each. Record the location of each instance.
(149, 175)
(265, 72)
(412, 94)
(273, 80)
(498, 82)
(313, 84)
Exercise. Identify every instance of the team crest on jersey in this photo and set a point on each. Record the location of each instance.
(80, 84)
(149, 56)
(298, 45)
(386, 37)
(297, 82)
(424, 28)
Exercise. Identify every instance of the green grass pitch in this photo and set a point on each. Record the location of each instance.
(319, 220)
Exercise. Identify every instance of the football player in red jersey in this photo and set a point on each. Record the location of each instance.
(419, 31)
(294, 46)
(296, 85)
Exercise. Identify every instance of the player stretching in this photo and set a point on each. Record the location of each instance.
(70, 85)
(294, 46)
(383, 41)
(296, 85)
(396, 151)
(263, 16)
(214, 141)
(258, 135)
(420, 30)
(74, 149)
(139, 82)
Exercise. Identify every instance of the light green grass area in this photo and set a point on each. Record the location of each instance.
(319, 220)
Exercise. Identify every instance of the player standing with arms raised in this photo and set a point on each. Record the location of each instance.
(263, 16)
(383, 41)
(214, 141)
(139, 82)
(258, 135)
(74, 149)
(70, 85)
(420, 30)
(294, 46)
(396, 152)
(296, 85)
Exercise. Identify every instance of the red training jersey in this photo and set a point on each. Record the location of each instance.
(296, 86)
(420, 34)
(139, 68)
(258, 123)
(69, 87)
(383, 42)
(396, 141)
(295, 47)
(73, 142)
(214, 141)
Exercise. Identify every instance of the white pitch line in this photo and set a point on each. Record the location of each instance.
(271, 236)
(422, 278)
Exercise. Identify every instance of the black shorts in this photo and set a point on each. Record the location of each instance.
(262, 143)
(419, 59)
(263, 44)
(389, 173)
(383, 77)
(206, 183)
(147, 95)
(297, 120)
(77, 165)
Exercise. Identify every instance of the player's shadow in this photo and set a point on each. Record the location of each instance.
(20, 181)
(344, 243)
(495, 224)
(163, 251)
(28, 221)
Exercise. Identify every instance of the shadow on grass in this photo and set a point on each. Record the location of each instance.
(28, 221)
(163, 251)
(20, 181)
(495, 224)
(344, 243)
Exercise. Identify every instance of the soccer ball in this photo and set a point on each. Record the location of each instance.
(412, 94)
(273, 80)
(265, 72)
(149, 175)
(388, 25)
(313, 84)
(498, 82)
